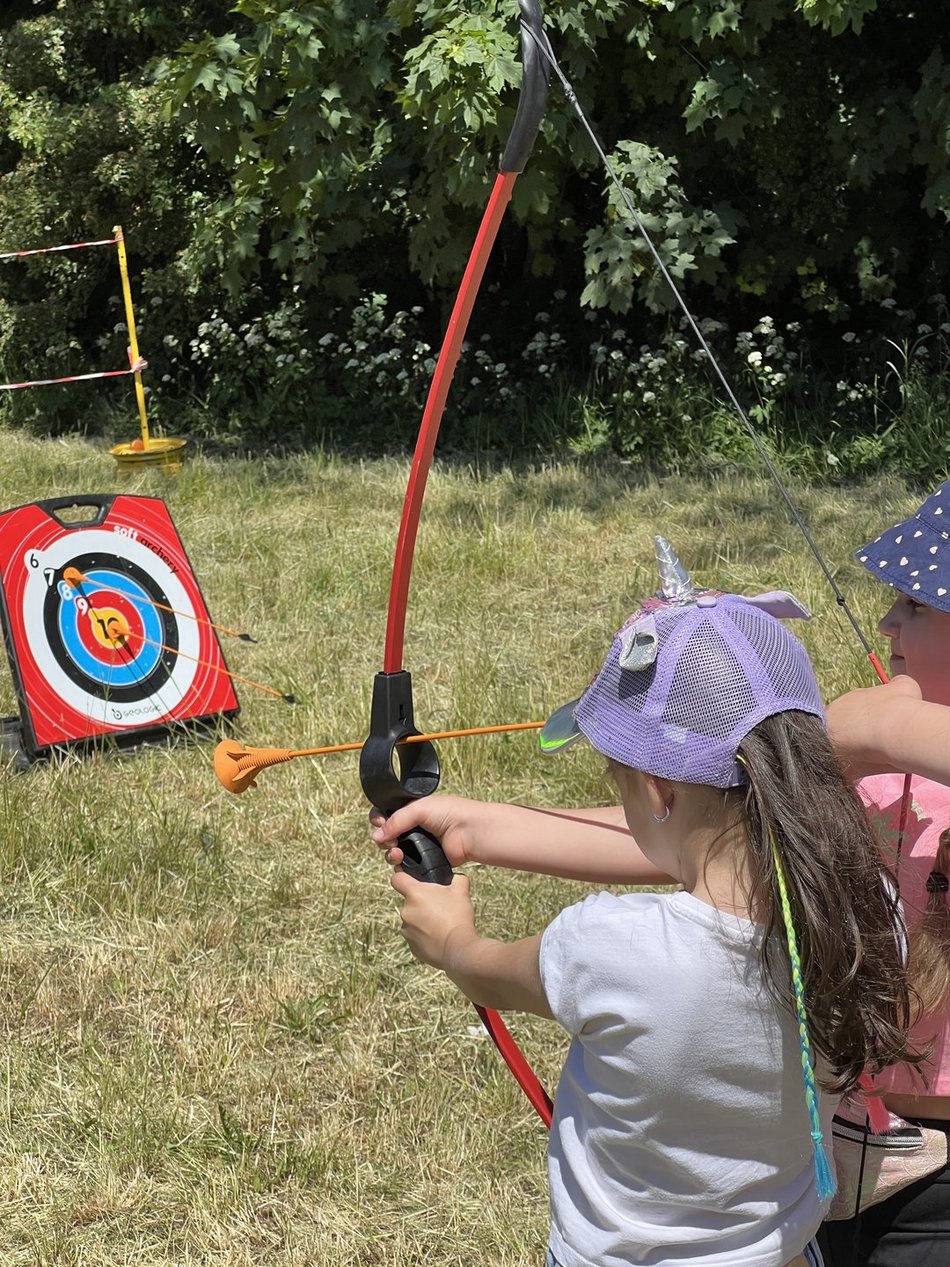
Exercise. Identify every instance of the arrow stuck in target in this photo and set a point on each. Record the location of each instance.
(113, 628)
(72, 576)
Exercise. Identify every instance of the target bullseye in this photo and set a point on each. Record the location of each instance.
(108, 626)
(116, 626)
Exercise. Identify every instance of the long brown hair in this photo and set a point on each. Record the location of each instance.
(845, 910)
(929, 964)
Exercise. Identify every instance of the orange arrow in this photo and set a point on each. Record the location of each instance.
(236, 766)
(72, 576)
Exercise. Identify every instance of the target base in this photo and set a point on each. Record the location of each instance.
(165, 453)
(11, 744)
(22, 758)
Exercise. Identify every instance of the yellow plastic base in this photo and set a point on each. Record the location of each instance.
(166, 454)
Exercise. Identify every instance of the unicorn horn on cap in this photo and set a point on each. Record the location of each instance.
(675, 583)
(638, 638)
(677, 589)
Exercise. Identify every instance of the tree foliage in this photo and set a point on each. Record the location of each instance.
(811, 137)
(794, 153)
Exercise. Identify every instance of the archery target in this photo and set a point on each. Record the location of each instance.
(105, 625)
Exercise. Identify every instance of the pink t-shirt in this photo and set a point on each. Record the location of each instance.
(928, 816)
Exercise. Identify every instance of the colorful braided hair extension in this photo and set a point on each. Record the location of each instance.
(824, 1178)
(823, 1175)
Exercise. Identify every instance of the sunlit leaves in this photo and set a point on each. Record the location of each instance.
(837, 15)
(688, 240)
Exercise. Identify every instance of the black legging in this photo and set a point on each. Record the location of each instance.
(909, 1229)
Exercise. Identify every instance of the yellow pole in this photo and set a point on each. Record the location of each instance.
(130, 322)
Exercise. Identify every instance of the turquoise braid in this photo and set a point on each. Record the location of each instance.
(823, 1175)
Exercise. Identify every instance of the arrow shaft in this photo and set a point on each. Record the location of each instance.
(73, 576)
(256, 756)
(120, 640)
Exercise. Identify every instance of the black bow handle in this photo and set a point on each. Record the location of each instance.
(418, 774)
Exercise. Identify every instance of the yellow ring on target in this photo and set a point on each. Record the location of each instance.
(109, 627)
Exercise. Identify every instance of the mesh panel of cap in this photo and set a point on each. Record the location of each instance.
(719, 671)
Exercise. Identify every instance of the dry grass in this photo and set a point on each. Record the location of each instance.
(216, 1050)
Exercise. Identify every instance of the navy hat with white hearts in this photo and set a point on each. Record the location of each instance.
(914, 555)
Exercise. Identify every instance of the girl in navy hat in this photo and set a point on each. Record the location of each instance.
(882, 732)
(689, 1126)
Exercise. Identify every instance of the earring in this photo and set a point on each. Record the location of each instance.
(666, 813)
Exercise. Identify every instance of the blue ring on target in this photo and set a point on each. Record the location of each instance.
(145, 658)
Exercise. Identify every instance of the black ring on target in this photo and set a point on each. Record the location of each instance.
(149, 683)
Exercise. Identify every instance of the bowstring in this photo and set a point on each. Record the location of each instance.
(544, 46)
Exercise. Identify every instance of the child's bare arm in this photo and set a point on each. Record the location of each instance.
(890, 729)
(439, 924)
(578, 844)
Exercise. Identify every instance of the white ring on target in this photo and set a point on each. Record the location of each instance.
(151, 708)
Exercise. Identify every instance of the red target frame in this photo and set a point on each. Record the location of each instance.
(105, 625)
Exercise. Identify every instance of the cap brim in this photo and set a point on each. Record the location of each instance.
(560, 730)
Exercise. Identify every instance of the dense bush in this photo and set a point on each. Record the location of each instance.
(811, 135)
(300, 184)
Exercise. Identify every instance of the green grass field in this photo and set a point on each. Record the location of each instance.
(216, 1048)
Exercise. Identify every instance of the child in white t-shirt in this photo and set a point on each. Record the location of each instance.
(689, 1127)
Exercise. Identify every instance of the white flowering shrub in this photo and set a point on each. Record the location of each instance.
(358, 375)
(246, 375)
(885, 402)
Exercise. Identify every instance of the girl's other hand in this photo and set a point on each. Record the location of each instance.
(439, 924)
(435, 916)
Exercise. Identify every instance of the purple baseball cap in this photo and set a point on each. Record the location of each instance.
(685, 681)
(914, 555)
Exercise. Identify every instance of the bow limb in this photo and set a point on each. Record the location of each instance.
(524, 131)
(392, 713)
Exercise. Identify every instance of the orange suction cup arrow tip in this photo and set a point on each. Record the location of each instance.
(236, 765)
